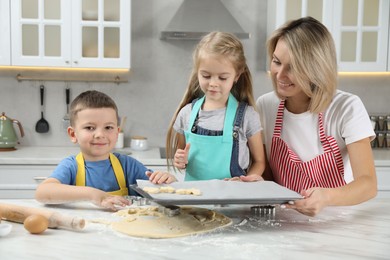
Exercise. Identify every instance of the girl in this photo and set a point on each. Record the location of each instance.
(215, 132)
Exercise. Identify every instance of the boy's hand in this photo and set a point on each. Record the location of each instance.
(180, 159)
(160, 177)
(112, 202)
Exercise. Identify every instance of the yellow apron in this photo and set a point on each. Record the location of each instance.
(118, 170)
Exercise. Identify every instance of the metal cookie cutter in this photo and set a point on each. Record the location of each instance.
(139, 201)
(264, 210)
(170, 210)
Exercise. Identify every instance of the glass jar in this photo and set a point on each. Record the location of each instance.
(381, 123)
(374, 121)
(381, 140)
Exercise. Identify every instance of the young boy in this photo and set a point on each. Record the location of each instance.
(95, 174)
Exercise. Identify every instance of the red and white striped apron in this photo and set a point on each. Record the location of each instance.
(326, 170)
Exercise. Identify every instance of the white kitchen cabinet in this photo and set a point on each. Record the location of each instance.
(20, 181)
(5, 58)
(360, 28)
(71, 33)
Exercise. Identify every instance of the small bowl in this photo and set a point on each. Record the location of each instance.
(139, 143)
(5, 229)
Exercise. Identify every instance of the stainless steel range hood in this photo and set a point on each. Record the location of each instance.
(195, 18)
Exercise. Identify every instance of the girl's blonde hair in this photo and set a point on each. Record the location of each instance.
(219, 44)
(313, 59)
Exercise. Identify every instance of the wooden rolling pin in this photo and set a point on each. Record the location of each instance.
(18, 214)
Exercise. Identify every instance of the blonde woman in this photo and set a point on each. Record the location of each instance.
(215, 131)
(317, 138)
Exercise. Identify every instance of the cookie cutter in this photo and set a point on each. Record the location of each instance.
(139, 201)
(263, 210)
(170, 210)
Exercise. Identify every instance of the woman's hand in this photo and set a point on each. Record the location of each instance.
(159, 177)
(314, 200)
(180, 159)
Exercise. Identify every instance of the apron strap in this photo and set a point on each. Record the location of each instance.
(235, 168)
(118, 171)
(229, 116)
(279, 120)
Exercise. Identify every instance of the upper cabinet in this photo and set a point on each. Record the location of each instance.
(5, 58)
(360, 28)
(71, 33)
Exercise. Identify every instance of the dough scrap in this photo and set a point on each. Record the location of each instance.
(150, 223)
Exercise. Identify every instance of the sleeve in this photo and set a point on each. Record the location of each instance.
(356, 124)
(182, 119)
(66, 170)
(251, 124)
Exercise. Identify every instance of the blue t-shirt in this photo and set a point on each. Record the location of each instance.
(100, 174)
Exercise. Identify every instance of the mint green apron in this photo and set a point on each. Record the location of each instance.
(209, 156)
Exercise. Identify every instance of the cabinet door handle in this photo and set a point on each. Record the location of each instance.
(39, 178)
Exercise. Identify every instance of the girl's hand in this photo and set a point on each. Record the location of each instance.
(112, 202)
(313, 202)
(244, 178)
(180, 159)
(160, 177)
(251, 178)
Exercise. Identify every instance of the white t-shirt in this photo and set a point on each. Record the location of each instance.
(346, 119)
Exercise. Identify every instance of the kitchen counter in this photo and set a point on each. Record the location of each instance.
(53, 155)
(356, 232)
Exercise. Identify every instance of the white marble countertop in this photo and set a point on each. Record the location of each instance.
(53, 155)
(356, 232)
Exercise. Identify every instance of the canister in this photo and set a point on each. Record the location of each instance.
(381, 123)
(381, 140)
(374, 122)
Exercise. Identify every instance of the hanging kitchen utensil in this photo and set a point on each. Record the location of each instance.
(66, 118)
(42, 125)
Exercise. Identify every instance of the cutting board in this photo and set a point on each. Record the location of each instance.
(220, 192)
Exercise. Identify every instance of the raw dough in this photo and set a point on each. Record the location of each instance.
(169, 189)
(192, 191)
(150, 223)
(151, 190)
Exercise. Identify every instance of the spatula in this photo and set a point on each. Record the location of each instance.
(42, 125)
(66, 118)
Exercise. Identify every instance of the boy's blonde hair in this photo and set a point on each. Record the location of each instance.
(218, 44)
(91, 99)
(313, 59)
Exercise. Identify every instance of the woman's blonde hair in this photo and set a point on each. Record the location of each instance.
(313, 59)
(218, 44)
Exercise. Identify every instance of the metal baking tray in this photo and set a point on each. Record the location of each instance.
(220, 192)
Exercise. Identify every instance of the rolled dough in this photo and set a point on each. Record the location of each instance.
(150, 223)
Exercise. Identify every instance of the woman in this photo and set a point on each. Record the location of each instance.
(317, 138)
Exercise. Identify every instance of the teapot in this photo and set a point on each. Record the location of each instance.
(8, 137)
